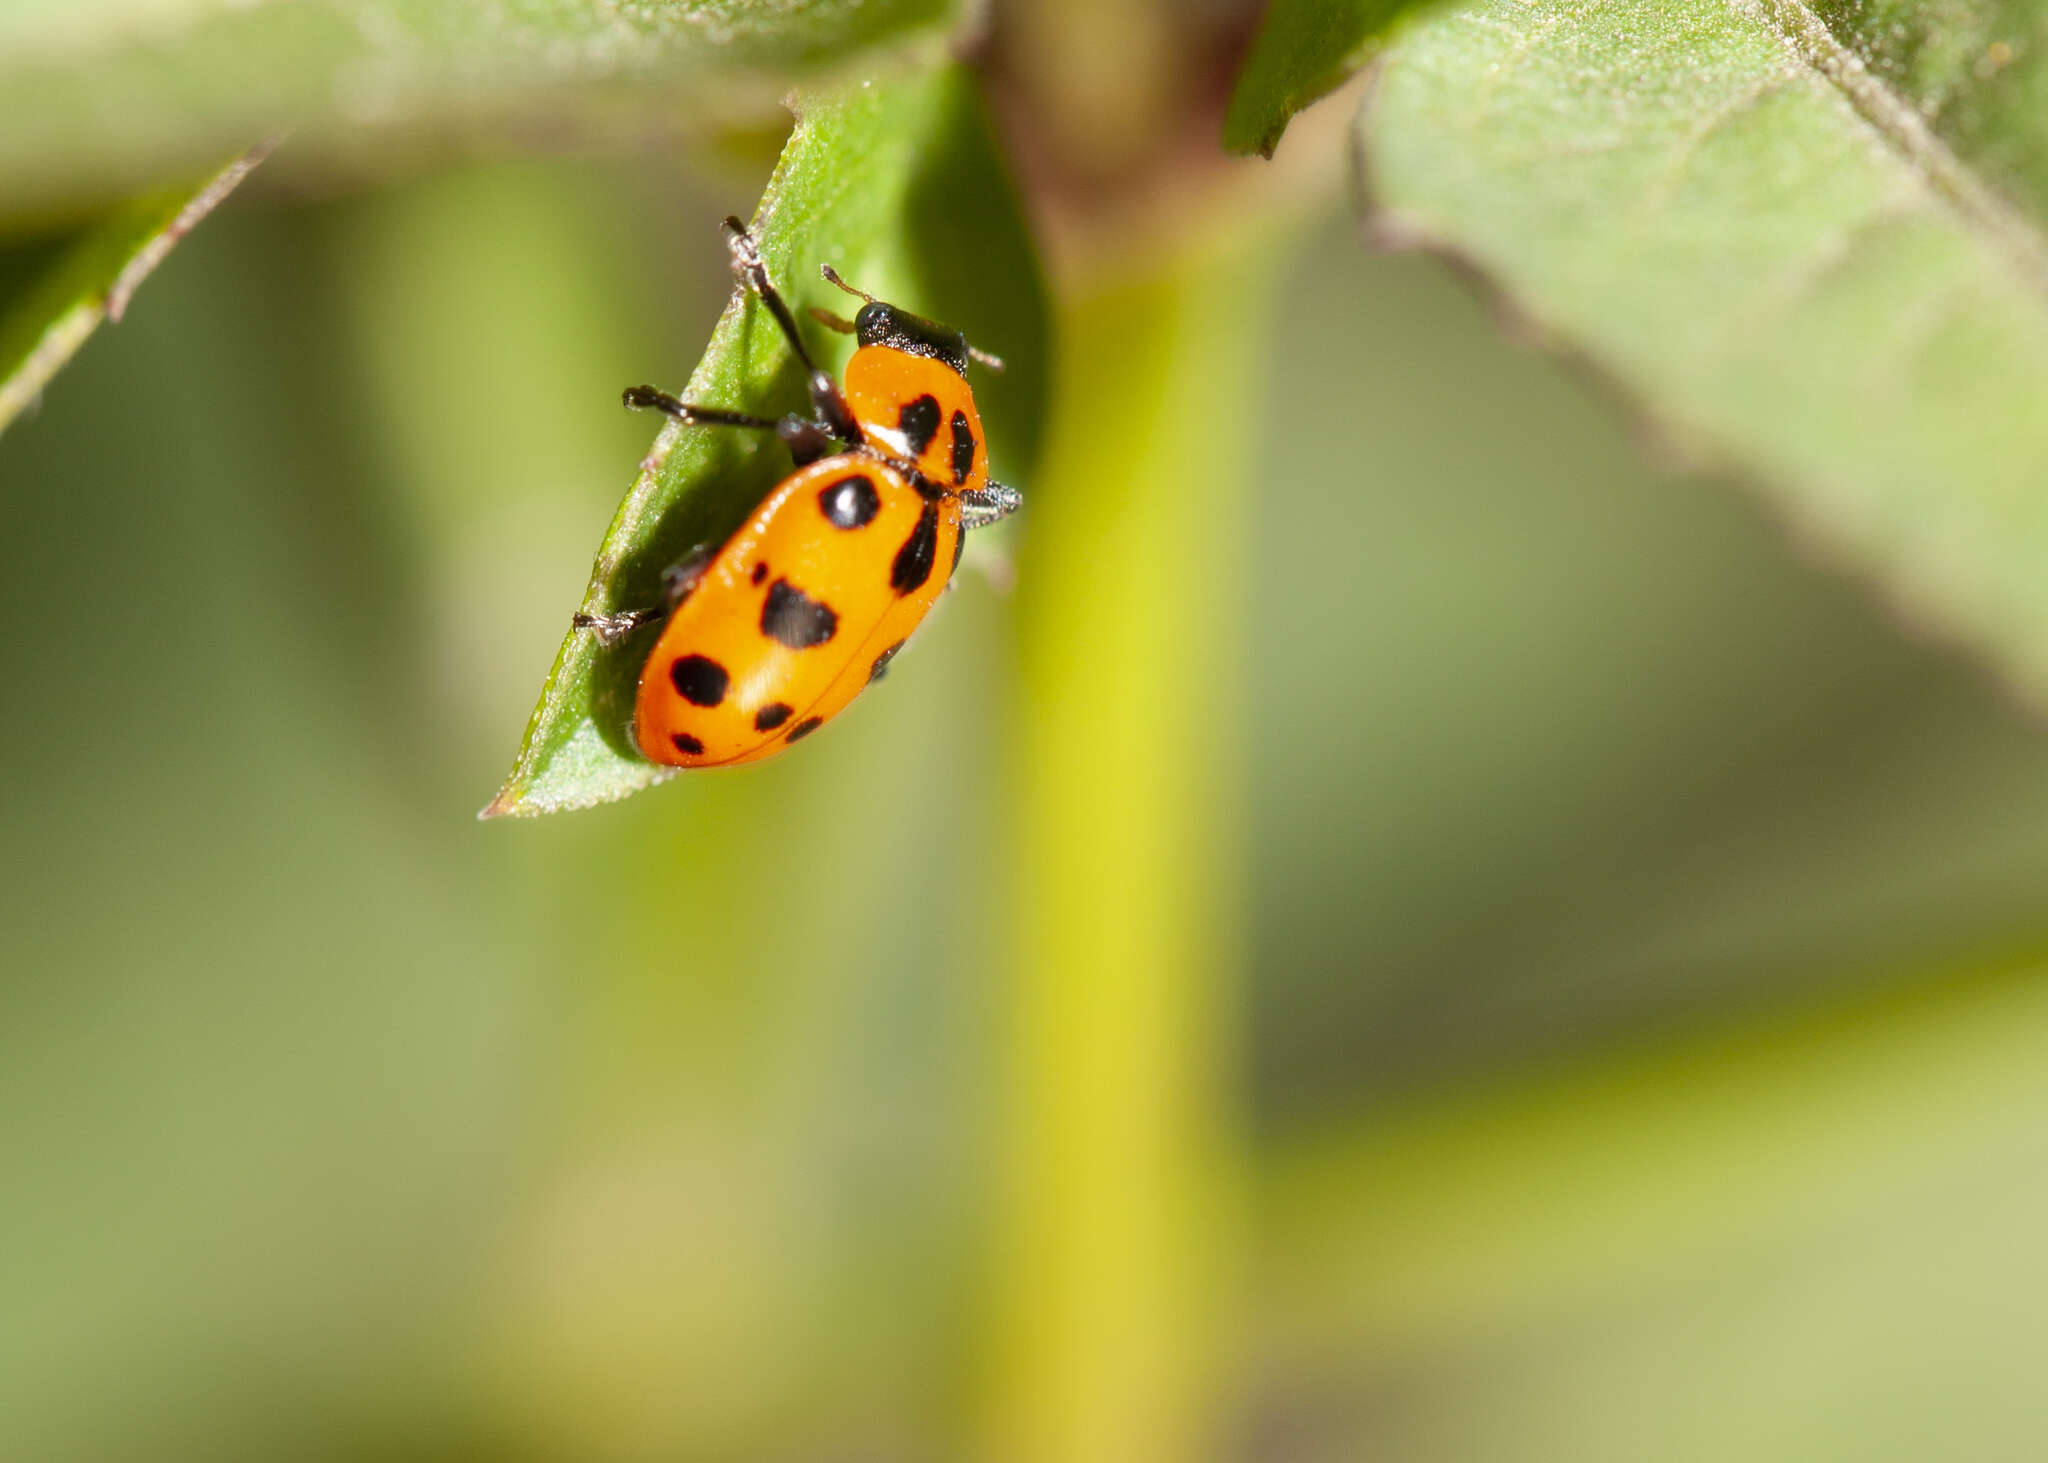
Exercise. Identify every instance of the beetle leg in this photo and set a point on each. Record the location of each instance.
(611, 629)
(979, 507)
(752, 272)
(691, 414)
(677, 580)
(808, 440)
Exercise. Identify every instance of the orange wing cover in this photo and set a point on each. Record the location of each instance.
(795, 614)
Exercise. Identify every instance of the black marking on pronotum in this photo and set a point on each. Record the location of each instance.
(774, 714)
(914, 560)
(919, 423)
(698, 679)
(852, 502)
(881, 666)
(963, 448)
(794, 618)
(879, 323)
(760, 570)
(687, 743)
(804, 728)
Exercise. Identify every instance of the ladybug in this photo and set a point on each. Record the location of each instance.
(772, 633)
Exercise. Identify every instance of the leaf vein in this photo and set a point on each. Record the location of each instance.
(1730, 109)
(1900, 123)
(1525, 43)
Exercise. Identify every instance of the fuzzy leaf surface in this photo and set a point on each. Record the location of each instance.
(104, 98)
(1808, 244)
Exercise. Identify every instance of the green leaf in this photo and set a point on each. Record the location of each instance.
(900, 187)
(98, 99)
(1305, 50)
(1821, 268)
(93, 279)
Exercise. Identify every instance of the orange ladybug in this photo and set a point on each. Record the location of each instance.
(771, 634)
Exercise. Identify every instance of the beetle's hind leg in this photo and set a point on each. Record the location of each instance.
(611, 629)
(677, 580)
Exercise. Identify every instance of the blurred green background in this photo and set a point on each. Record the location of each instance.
(1632, 1048)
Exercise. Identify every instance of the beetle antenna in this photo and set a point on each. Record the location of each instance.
(832, 277)
(994, 363)
(833, 322)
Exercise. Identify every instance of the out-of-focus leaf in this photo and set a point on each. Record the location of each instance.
(1613, 759)
(1759, 233)
(1851, 1200)
(102, 97)
(1304, 51)
(94, 279)
(899, 186)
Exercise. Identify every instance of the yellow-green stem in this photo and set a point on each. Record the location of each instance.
(1121, 1149)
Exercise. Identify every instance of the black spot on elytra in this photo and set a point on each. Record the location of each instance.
(881, 666)
(963, 448)
(852, 502)
(698, 679)
(959, 548)
(687, 743)
(794, 618)
(774, 714)
(913, 564)
(804, 728)
(760, 571)
(919, 423)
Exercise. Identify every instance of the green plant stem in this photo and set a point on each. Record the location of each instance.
(1121, 1149)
